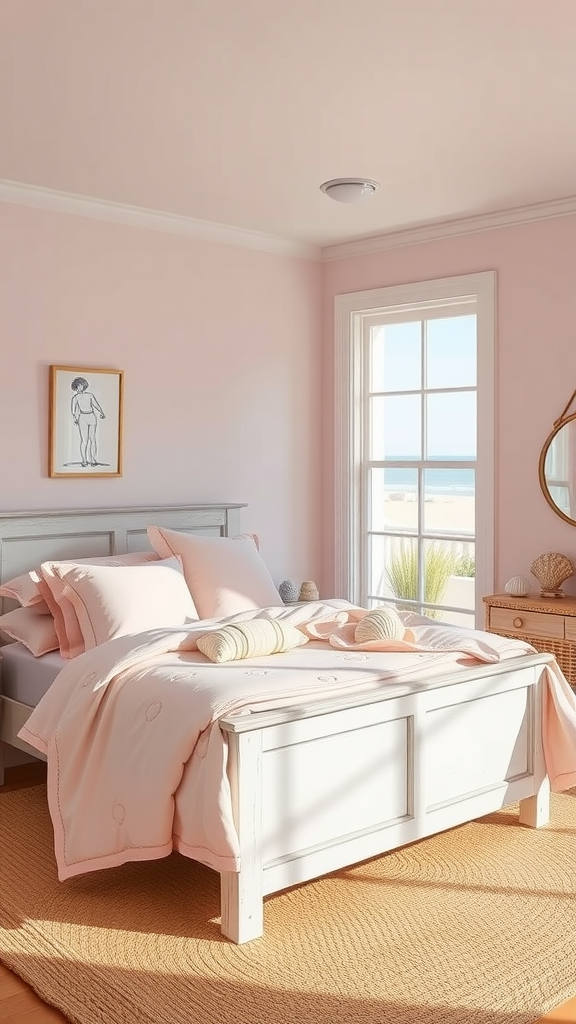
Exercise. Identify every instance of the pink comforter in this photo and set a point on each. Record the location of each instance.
(137, 761)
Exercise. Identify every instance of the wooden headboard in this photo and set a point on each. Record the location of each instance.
(29, 538)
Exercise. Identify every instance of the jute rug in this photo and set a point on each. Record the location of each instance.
(475, 926)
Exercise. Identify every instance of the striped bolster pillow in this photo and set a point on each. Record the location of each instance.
(253, 639)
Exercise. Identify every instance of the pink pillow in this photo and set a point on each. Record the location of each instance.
(52, 589)
(31, 628)
(112, 601)
(225, 575)
(26, 590)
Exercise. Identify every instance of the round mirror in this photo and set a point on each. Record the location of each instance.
(557, 469)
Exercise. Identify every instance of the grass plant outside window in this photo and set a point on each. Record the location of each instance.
(439, 564)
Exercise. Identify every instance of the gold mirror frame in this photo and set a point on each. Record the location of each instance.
(559, 425)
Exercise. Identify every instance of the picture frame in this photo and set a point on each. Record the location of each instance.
(85, 421)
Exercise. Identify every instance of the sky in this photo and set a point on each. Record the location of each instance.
(402, 362)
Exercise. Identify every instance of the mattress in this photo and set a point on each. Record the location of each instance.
(24, 677)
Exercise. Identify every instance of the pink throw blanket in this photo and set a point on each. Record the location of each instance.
(137, 761)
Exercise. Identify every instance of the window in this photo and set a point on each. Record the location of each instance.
(415, 446)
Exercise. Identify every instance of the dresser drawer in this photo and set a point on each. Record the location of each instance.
(510, 620)
(570, 627)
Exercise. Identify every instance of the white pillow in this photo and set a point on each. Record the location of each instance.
(112, 601)
(253, 639)
(31, 628)
(225, 575)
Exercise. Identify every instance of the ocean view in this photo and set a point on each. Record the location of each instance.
(438, 481)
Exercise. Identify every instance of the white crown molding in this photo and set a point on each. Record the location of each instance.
(21, 194)
(431, 232)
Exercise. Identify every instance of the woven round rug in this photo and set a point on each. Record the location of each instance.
(473, 926)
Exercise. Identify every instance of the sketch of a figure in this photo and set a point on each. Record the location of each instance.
(85, 408)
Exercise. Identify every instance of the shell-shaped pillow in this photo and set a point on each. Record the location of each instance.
(381, 623)
(253, 639)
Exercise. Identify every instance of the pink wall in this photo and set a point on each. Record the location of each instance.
(536, 367)
(221, 352)
(220, 347)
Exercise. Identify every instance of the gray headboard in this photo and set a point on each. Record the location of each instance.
(29, 538)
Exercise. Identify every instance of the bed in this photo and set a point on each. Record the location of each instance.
(316, 783)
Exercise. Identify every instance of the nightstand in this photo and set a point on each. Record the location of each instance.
(548, 623)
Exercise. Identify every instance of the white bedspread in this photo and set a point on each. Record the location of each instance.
(137, 761)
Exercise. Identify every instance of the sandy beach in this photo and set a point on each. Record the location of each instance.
(453, 514)
(447, 514)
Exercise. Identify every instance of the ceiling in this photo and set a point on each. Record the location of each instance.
(235, 111)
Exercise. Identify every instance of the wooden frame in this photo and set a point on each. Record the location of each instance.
(86, 409)
(566, 453)
(327, 784)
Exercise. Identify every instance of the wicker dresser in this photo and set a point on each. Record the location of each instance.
(548, 623)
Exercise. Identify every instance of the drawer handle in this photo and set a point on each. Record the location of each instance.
(518, 622)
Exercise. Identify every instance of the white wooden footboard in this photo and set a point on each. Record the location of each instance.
(318, 788)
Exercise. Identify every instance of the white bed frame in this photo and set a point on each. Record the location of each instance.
(322, 786)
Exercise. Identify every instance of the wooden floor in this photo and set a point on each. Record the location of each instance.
(19, 1004)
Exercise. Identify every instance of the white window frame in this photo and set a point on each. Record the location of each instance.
(350, 309)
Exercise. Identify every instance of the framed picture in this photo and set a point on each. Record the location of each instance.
(85, 421)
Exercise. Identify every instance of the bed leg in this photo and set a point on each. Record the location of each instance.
(242, 907)
(535, 810)
(242, 892)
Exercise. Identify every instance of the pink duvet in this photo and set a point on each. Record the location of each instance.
(137, 761)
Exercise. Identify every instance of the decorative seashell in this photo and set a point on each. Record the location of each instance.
(551, 570)
(289, 591)
(517, 586)
(309, 591)
(380, 623)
